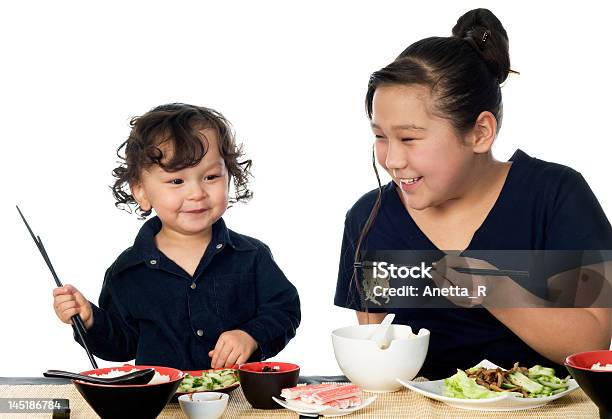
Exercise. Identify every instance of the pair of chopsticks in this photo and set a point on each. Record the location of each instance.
(77, 322)
(462, 270)
(491, 272)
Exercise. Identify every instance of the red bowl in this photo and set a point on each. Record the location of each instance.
(259, 387)
(595, 383)
(133, 401)
(585, 360)
(257, 367)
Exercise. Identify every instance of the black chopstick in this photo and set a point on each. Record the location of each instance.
(77, 322)
(491, 272)
(79, 326)
(469, 271)
(45, 256)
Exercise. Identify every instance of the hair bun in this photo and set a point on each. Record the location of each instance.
(482, 29)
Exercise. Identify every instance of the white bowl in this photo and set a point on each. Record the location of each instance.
(374, 369)
(210, 405)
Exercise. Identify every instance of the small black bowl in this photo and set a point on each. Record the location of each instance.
(596, 384)
(141, 401)
(260, 386)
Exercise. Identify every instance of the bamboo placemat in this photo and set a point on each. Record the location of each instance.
(401, 404)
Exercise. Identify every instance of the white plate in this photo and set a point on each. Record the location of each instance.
(308, 409)
(505, 402)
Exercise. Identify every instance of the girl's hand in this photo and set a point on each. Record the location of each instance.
(68, 301)
(479, 287)
(233, 347)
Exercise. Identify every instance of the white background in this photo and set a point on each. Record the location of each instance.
(291, 77)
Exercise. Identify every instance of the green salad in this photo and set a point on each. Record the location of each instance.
(482, 383)
(209, 380)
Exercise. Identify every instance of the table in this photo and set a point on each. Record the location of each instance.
(401, 404)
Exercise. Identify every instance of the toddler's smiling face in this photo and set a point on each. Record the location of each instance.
(188, 201)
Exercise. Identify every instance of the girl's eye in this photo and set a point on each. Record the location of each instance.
(407, 139)
(379, 137)
(211, 177)
(176, 181)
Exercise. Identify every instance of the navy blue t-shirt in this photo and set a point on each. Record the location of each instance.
(542, 206)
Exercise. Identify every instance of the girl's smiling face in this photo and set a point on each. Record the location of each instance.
(189, 201)
(425, 157)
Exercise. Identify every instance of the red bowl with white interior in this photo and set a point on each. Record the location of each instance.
(596, 383)
(142, 401)
(261, 381)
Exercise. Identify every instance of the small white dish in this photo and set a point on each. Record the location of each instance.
(210, 405)
(308, 409)
(504, 403)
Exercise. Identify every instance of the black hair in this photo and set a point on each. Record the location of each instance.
(463, 71)
(179, 125)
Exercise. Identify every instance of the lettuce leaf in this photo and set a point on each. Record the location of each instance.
(462, 387)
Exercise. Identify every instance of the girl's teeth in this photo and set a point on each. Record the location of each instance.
(411, 180)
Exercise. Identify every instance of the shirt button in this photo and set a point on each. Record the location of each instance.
(219, 246)
(200, 332)
(193, 285)
(153, 262)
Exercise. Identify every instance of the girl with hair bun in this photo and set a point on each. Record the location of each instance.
(435, 112)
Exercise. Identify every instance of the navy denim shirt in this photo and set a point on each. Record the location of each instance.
(152, 310)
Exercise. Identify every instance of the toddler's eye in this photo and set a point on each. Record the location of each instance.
(407, 139)
(211, 177)
(176, 181)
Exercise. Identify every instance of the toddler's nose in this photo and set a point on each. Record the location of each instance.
(197, 190)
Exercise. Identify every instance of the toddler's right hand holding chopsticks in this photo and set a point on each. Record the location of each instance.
(68, 301)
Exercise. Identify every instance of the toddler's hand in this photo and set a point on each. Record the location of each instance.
(68, 301)
(233, 347)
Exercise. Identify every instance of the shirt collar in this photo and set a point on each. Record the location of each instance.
(519, 155)
(145, 250)
(226, 237)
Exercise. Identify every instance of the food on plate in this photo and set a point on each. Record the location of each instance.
(332, 395)
(481, 383)
(345, 403)
(295, 393)
(599, 367)
(209, 380)
(336, 393)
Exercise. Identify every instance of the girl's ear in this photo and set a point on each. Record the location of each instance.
(140, 196)
(484, 132)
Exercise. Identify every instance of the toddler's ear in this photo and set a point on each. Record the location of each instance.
(140, 196)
